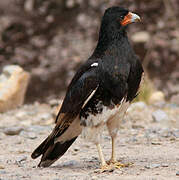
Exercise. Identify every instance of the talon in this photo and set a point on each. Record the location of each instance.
(106, 168)
(118, 165)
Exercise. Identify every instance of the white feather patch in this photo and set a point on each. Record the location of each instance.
(94, 64)
(90, 96)
(95, 123)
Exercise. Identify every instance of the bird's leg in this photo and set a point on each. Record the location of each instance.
(113, 155)
(113, 161)
(101, 156)
(104, 165)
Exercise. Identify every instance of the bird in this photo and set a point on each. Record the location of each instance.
(99, 93)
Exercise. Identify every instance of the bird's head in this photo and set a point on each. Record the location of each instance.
(119, 16)
(113, 26)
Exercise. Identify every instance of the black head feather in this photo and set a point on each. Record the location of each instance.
(114, 14)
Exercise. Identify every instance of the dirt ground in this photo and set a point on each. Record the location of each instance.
(151, 145)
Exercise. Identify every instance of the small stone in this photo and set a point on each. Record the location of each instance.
(151, 166)
(177, 173)
(166, 133)
(21, 114)
(165, 165)
(157, 97)
(2, 167)
(137, 106)
(2, 172)
(176, 133)
(21, 158)
(76, 149)
(156, 143)
(94, 177)
(13, 131)
(54, 102)
(32, 135)
(46, 116)
(29, 135)
(159, 116)
(71, 163)
(38, 129)
(74, 153)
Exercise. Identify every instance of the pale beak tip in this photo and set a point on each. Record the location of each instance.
(135, 18)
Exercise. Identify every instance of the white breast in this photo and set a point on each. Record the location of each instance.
(95, 123)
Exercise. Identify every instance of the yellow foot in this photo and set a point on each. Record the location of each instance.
(105, 168)
(118, 165)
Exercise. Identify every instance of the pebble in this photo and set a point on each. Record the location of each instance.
(20, 115)
(21, 158)
(150, 166)
(2, 167)
(157, 97)
(12, 130)
(165, 165)
(38, 128)
(156, 143)
(177, 173)
(2, 172)
(46, 116)
(159, 116)
(71, 163)
(30, 135)
(76, 149)
(137, 106)
(176, 133)
(94, 177)
(54, 102)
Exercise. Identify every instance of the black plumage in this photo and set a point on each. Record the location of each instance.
(109, 78)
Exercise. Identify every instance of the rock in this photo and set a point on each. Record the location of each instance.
(176, 133)
(29, 135)
(159, 116)
(157, 97)
(54, 102)
(39, 129)
(94, 177)
(76, 149)
(46, 116)
(21, 115)
(2, 172)
(2, 167)
(140, 37)
(151, 166)
(12, 130)
(13, 85)
(137, 106)
(21, 158)
(165, 165)
(71, 163)
(156, 143)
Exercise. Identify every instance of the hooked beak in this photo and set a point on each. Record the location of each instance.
(130, 18)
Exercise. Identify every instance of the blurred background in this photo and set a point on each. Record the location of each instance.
(51, 38)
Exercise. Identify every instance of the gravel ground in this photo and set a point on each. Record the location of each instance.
(148, 138)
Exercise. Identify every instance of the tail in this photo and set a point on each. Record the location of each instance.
(57, 143)
(50, 151)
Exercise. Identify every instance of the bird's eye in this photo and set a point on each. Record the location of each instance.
(122, 16)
